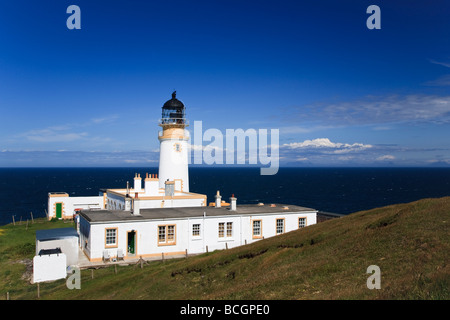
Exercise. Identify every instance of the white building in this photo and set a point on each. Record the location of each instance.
(161, 216)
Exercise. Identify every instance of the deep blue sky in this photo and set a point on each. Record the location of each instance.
(340, 94)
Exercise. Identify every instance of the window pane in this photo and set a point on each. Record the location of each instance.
(301, 222)
(162, 234)
(280, 225)
(229, 229)
(196, 229)
(257, 228)
(221, 229)
(170, 233)
(110, 236)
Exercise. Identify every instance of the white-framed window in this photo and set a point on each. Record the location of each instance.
(225, 226)
(111, 237)
(280, 226)
(196, 230)
(302, 222)
(257, 228)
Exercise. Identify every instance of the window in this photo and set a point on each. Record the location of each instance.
(256, 228)
(196, 230)
(229, 229)
(166, 235)
(280, 226)
(221, 229)
(301, 222)
(111, 237)
(171, 233)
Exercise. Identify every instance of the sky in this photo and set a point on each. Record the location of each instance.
(339, 93)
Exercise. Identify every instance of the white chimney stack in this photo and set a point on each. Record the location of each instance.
(151, 185)
(218, 199)
(137, 183)
(136, 207)
(233, 203)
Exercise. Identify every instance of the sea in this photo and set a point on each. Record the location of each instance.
(24, 191)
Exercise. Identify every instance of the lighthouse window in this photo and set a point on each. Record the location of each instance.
(280, 226)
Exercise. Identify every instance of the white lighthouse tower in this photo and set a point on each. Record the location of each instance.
(173, 152)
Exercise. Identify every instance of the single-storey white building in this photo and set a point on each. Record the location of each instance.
(172, 231)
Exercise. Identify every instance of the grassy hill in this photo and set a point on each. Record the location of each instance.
(409, 242)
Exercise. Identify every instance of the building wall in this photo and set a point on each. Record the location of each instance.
(69, 204)
(49, 267)
(147, 234)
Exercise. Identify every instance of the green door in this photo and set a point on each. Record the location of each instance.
(131, 242)
(59, 210)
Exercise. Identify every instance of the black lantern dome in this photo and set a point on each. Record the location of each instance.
(173, 111)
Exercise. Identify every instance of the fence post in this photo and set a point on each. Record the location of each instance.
(186, 253)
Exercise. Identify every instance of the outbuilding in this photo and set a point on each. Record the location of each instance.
(66, 239)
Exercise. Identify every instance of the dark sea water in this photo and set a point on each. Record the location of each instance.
(339, 190)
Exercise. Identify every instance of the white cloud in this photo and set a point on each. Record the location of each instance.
(439, 82)
(379, 110)
(385, 157)
(52, 135)
(445, 64)
(325, 143)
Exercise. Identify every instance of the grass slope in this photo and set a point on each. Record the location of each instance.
(409, 242)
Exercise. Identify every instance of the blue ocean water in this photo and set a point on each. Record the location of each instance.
(339, 190)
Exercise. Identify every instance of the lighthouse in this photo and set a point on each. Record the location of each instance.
(173, 151)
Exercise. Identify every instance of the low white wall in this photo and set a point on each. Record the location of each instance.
(49, 267)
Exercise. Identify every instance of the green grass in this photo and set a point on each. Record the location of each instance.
(409, 242)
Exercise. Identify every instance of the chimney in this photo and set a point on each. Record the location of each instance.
(137, 183)
(218, 199)
(151, 185)
(233, 203)
(127, 203)
(136, 207)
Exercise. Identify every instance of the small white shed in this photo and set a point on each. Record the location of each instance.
(66, 239)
